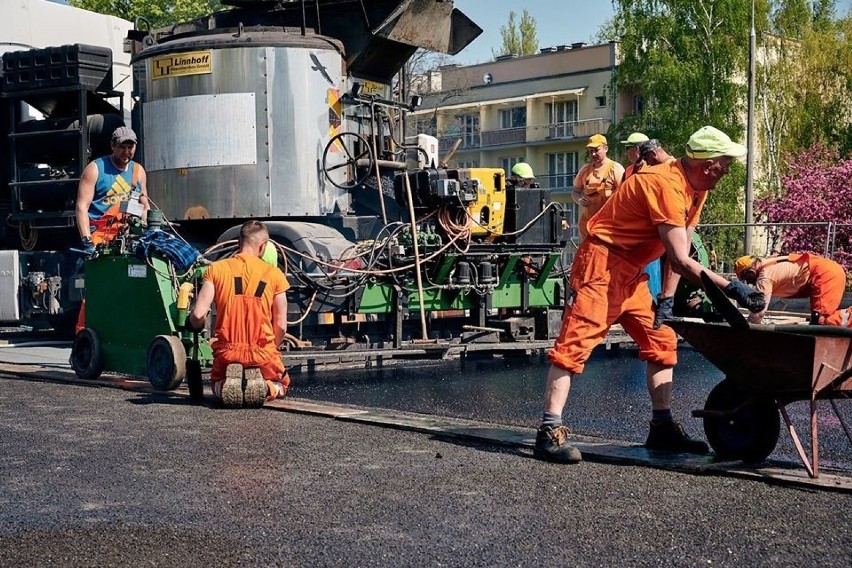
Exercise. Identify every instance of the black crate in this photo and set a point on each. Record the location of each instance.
(524, 206)
(69, 65)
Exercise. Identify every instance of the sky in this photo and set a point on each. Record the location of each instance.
(557, 21)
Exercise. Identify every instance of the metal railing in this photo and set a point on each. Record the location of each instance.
(504, 136)
(728, 240)
(562, 131)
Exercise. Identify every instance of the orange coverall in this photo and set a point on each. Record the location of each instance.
(607, 276)
(245, 288)
(597, 185)
(802, 276)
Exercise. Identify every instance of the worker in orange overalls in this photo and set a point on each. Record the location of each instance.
(654, 212)
(632, 147)
(251, 321)
(596, 181)
(795, 276)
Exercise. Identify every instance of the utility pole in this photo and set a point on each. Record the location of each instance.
(750, 133)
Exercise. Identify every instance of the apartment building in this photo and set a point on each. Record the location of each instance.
(538, 109)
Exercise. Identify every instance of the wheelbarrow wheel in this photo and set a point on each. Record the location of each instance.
(166, 362)
(87, 358)
(749, 431)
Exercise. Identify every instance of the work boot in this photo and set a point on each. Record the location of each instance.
(254, 394)
(232, 390)
(551, 444)
(668, 436)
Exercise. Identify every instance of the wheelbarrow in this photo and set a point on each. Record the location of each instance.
(766, 368)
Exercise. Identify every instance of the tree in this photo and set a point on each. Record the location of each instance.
(519, 38)
(157, 12)
(803, 81)
(817, 188)
(686, 59)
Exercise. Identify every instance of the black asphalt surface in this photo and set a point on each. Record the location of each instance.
(609, 400)
(104, 477)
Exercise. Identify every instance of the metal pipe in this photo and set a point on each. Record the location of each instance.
(416, 256)
(749, 188)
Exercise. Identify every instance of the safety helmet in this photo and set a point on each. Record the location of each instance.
(523, 170)
(742, 263)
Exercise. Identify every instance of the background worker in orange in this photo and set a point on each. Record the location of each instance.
(654, 212)
(595, 182)
(251, 321)
(632, 146)
(795, 276)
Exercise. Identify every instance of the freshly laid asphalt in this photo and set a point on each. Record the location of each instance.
(104, 477)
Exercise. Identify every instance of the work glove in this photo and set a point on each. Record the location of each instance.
(664, 310)
(88, 247)
(746, 296)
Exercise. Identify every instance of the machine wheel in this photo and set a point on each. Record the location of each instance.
(751, 433)
(350, 140)
(166, 362)
(87, 358)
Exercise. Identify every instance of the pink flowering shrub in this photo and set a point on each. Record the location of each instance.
(816, 188)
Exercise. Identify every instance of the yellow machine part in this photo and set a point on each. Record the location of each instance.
(489, 210)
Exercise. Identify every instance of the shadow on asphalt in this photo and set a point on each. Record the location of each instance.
(493, 448)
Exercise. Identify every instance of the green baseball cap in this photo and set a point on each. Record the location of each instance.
(634, 139)
(270, 254)
(709, 142)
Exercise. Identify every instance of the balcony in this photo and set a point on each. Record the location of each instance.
(504, 136)
(469, 141)
(562, 131)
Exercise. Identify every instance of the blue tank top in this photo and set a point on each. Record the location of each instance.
(112, 188)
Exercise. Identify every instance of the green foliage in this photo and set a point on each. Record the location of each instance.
(683, 57)
(157, 12)
(519, 38)
(803, 90)
(723, 206)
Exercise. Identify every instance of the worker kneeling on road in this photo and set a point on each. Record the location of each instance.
(795, 276)
(654, 212)
(251, 320)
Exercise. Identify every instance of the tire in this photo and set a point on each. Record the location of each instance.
(751, 433)
(87, 357)
(166, 362)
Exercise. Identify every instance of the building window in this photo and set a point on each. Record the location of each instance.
(426, 126)
(513, 118)
(561, 169)
(468, 164)
(638, 105)
(600, 101)
(469, 129)
(507, 163)
(562, 116)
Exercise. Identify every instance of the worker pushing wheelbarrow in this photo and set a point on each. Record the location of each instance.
(783, 364)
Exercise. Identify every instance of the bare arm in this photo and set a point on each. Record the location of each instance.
(85, 195)
(279, 317)
(677, 240)
(198, 315)
(143, 199)
(577, 193)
